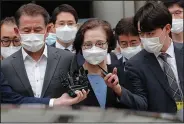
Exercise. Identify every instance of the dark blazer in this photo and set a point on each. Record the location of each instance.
(111, 100)
(52, 45)
(58, 62)
(9, 96)
(150, 86)
(179, 45)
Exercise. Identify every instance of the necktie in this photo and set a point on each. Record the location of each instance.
(176, 91)
(124, 60)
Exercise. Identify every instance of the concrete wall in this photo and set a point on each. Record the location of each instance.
(113, 11)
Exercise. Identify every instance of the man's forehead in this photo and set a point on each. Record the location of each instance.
(26, 20)
(65, 16)
(129, 37)
(8, 25)
(8, 30)
(31, 26)
(175, 7)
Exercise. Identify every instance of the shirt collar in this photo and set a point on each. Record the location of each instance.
(26, 55)
(108, 59)
(58, 45)
(170, 51)
(124, 59)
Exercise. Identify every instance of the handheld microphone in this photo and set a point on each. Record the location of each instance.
(105, 72)
(76, 80)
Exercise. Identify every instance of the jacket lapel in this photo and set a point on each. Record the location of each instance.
(179, 55)
(52, 61)
(53, 45)
(21, 71)
(92, 99)
(110, 97)
(154, 66)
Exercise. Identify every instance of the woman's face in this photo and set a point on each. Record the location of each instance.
(97, 37)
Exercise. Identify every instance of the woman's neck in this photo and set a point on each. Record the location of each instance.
(178, 37)
(94, 69)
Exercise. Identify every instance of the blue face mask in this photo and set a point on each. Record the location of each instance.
(51, 39)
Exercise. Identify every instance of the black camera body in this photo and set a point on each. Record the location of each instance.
(76, 80)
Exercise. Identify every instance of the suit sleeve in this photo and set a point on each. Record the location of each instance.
(136, 97)
(11, 97)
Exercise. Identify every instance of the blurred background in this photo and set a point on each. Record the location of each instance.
(112, 11)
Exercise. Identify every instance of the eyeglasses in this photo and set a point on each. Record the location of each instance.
(7, 42)
(100, 44)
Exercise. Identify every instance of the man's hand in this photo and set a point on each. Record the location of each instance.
(112, 81)
(66, 100)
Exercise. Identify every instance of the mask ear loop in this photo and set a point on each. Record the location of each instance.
(164, 38)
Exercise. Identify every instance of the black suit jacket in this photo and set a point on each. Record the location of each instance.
(11, 97)
(58, 62)
(111, 99)
(150, 86)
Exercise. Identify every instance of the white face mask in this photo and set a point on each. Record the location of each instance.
(152, 45)
(95, 55)
(66, 34)
(177, 26)
(7, 51)
(32, 42)
(129, 52)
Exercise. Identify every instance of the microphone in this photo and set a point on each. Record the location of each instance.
(76, 80)
(105, 72)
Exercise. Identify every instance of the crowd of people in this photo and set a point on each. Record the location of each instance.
(142, 55)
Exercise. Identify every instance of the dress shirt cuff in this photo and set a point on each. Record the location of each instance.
(51, 102)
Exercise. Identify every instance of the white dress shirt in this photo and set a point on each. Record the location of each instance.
(108, 59)
(35, 71)
(58, 45)
(171, 60)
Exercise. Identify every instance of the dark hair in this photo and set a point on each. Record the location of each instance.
(169, 3)
(64, 8)
(125, 27)
(8, 20)
(151, 16)
(50, 20)
(32, 9)
(91, 24)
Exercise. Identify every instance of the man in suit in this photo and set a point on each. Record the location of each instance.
(176, 7)
(35, 70)
(11, 97)
(128, 39)
(10, 42)
(156, 73)
(64, 18)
